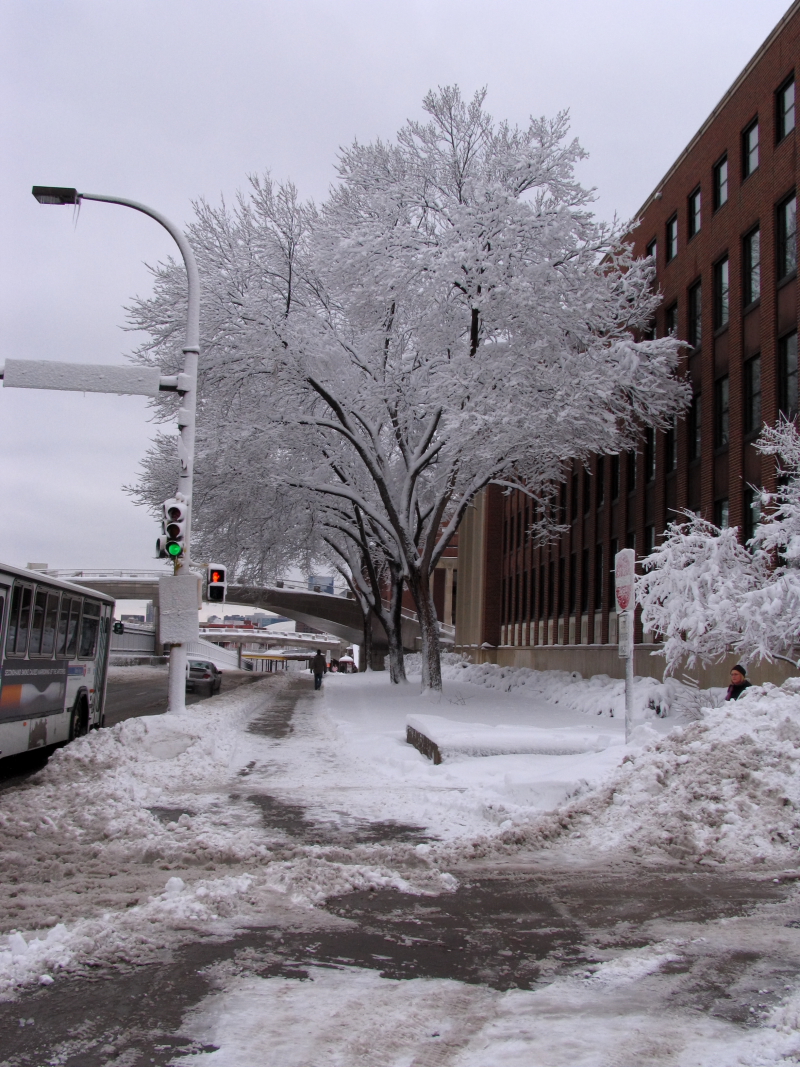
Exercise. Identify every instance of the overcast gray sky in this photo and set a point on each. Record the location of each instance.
(165, 101)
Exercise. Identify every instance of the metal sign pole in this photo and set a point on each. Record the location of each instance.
(624, 574)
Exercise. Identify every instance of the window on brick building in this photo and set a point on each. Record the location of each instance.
(752, 512)
(585, 581)
(721, 293)
(721, 182)
(784, 109)
(631, 471)
(752, 395)
(574, 496)
(551, 588)
(787, 237)
(695, 337)
(672, 238)
(671, 321)
(694, 219)
(630, 539)
(788, 375)
(721, 513)
(652, 252)
(562, 575)
(649, 539)
(573, 576)
(695, 426)
(671, 446)
(541, 591)
(722, 412)
(562, 502)
(524, 605)
(751, 266)
(587, 491)
(750, 149)
(598, 578)
(614, 477)
(649, 454)
(600, 482)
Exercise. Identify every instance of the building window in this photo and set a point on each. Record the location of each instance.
(721, 183)
(787, 237)
(784, 109)
(672, 238)
(752, 395)
(587, 491)
(721, 513)
(695, 426)
(722, 412)
(752, 512)
(614, 477)
(671, 446)
(630, 539)
(585, 581)
(598, 578)
(649, 454)
(694, 218)
(649, 539)
(631, 471)
(562, 568)
(573, 575)
(750, 149)
(671, 321)
(652, 252)
(788, 373)
(551, 588)
(696, 315)
(599, 486)
(721, 293)
(541, 591)
(574, 495)
(751, 265)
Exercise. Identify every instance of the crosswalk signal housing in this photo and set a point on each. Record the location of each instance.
(170, 545)
(217, 584)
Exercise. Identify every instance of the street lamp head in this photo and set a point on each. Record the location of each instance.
(53, 194)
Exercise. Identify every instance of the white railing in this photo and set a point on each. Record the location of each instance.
(220, 657)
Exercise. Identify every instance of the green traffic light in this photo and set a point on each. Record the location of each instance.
(174, 549)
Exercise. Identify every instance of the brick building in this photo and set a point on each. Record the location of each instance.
(721, 228)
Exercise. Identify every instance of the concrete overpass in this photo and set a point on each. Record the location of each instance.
(332, 613)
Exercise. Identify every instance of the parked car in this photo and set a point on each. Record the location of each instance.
(201, 672)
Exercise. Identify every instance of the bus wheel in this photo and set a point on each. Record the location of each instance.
(80, 719)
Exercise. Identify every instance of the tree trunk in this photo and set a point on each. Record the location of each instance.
(422, 591)
(394, 632)
(365, 659)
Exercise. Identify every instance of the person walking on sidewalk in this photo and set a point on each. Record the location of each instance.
(319, 667)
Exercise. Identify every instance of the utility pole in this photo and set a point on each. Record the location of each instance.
(178, 594)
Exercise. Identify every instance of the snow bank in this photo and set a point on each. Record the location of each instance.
(723, 790)
(598, 695)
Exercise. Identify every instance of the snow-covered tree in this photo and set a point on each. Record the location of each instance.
(453, 316)
(709, 596)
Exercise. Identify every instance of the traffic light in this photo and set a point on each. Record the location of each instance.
(170, 544)
(217, 584)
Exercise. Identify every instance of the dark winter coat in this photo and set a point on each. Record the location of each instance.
(735, 691)
(318, 664)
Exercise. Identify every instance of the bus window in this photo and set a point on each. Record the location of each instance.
(50, 622)
(39, 604)
(17, 637)
(68, 628)
(89, 628)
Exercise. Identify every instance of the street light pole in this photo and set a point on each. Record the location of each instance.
(186, 387)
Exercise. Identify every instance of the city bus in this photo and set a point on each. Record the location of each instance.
(54, 643)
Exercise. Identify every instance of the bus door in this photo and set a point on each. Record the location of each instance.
(31, 687)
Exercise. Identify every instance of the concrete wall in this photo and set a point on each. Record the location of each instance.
(604, 659)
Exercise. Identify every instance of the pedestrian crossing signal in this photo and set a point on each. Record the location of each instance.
(217, 584)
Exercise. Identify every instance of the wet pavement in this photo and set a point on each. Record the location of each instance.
(516, 925)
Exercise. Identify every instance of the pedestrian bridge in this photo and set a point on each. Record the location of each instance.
(334, 613)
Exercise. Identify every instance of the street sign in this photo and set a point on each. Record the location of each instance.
(624, 573)
(624, 633)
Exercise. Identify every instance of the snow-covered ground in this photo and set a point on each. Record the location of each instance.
(136, 838)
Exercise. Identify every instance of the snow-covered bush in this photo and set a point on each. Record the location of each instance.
(709, 596)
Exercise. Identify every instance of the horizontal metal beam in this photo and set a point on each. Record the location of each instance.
(87, 377)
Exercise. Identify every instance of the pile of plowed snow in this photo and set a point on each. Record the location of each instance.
(598, 695)
(722, 790)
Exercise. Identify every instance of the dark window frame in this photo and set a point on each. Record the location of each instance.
(720, 184)
(782, 130)
(786, 260)
(787, 370)
(722, 515)
(694, 213)
(671, 320)
(671, 237)
(696, 428)
(695, 310)
(722, 412)
(722, 292)
(751, 294)
(752, 396)
(749, 150)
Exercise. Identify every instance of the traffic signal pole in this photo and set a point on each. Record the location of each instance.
(123, 380)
